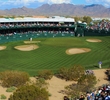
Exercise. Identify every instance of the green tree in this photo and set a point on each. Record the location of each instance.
(30, 92)
(78, 19)
(87, 19)
(1, 16)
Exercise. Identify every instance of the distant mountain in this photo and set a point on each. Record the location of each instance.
(94, 10)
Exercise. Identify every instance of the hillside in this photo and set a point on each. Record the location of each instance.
(94, 10)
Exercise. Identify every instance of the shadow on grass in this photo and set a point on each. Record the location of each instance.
(95, 66)
(92, 67)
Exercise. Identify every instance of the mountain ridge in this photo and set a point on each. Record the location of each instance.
(94, 10)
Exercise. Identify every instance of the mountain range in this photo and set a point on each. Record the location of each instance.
(94, 10)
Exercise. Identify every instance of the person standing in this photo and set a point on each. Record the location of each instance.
(100, 64)
(107, 97)
(31, 39)
(82, 97)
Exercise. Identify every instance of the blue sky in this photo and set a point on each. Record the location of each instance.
(8, 4)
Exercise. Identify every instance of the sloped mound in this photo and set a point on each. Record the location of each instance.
(94, 40)
(32, 41)
(77, 51)
(26, 47)
(2, 47)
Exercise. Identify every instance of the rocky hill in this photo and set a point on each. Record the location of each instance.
(94, 10)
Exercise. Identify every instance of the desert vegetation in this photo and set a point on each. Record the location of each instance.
(46, 74)
(29, 92)
(84, 81)
(13, 78)
(18, 82)
(73, 73)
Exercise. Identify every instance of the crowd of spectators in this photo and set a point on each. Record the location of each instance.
(40, 30)
(33, 24)
(89, 72)
(101, 93)
(102, 25)
(45, 33)
(98, 93)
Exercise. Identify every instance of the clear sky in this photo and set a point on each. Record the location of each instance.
(8, 4)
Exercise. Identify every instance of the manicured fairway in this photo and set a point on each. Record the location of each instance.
(51, 54)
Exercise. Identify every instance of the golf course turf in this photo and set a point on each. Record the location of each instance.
(51, 54)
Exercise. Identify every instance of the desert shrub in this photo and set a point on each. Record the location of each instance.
(73, 73)
(50, 94)
(63, 73)
(13, 78)
(85, 83)
(76, 72)
(30, 92)
(46, 74)
(41, 83)
(11, 89)
(73, 91)
(2, 96)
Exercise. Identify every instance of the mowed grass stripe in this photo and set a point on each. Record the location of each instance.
(51, 54)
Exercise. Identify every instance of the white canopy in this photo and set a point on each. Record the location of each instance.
(31, 19)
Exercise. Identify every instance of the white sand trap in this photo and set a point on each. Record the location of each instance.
(77, 50)
(26, 47)
(94, 40)
(32, 41)
(2, 47)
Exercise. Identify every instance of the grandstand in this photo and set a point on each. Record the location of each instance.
(24, 28)
(12, 29)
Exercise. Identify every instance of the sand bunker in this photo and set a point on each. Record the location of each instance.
(32, 41)
(2, 47)
(77, 50)
(26, 47)
(94, 40)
